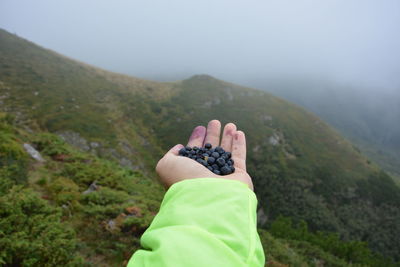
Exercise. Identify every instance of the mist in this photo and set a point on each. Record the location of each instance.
(247, 42)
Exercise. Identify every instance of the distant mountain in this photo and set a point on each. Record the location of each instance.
(301, 167)
(369, 118)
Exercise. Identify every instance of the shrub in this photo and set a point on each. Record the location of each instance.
(31, 232)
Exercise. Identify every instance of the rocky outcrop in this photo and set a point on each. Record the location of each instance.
(33, 152)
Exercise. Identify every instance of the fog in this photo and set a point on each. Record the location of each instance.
(248, 42)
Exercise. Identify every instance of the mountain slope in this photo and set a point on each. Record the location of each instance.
(368, 117)
(301, 167)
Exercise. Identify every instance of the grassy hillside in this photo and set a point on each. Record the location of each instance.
(368, 117)
(301, 167)
(68, 223)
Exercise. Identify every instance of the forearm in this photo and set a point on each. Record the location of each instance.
(203, 222)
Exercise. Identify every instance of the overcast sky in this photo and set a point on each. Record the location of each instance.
(356, 41)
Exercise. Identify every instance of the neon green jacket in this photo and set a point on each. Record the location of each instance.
(203, 222)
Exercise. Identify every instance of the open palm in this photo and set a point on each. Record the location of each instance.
(173, 168)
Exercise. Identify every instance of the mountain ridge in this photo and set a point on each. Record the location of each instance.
(301, 167)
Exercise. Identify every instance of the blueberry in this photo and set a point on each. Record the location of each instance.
(211, 160)
(199, 160)
(232, 169)
(192, 157)
(225, 156)
(215, 155)
(225, 170)
(188, 148)
(210, 168)
(195, 148)
(182, 151)
(191, 152)
(208, 146)
(205, 155)
(220, 161)
(230, 162)
(228, 154)
(219, 149)
(217, 172)
(215, 167)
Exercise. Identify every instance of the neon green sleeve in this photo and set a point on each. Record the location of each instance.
(203, 222)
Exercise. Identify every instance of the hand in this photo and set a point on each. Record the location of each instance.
(173, 168)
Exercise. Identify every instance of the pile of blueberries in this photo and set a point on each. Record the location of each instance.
(215, 159)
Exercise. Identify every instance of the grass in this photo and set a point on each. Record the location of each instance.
(314, 174)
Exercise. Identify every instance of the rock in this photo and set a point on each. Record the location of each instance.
(256, 148)
(75, 140)
(33, 152)
(92, 187)
(94, 144)
(261, 217)
(111, 225)
(266, 118)
(124, 162)
(274, 140)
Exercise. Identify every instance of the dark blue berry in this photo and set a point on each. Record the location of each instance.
(211, 160)
(208, 145)
(230, 162)
(228, 154)
(199, 160)
(219, 149)
(210, 168)
(182, 151)
(205, 155)
(225, 170)
(188, 148)
(215, 167)
(225, 156)
(221, 162)
(215, 155)
(217, 172)
(195, 148)
(232, 169)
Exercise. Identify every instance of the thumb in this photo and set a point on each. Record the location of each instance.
(175, 150)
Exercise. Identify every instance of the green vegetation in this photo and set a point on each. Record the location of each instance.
(301, 167)
(47, 218)
(356, 252)
(368, 118)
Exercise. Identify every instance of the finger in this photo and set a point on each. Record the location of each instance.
(213, 132)
(239, 150)
(227, 136)
(197, 137)
(175, 150)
